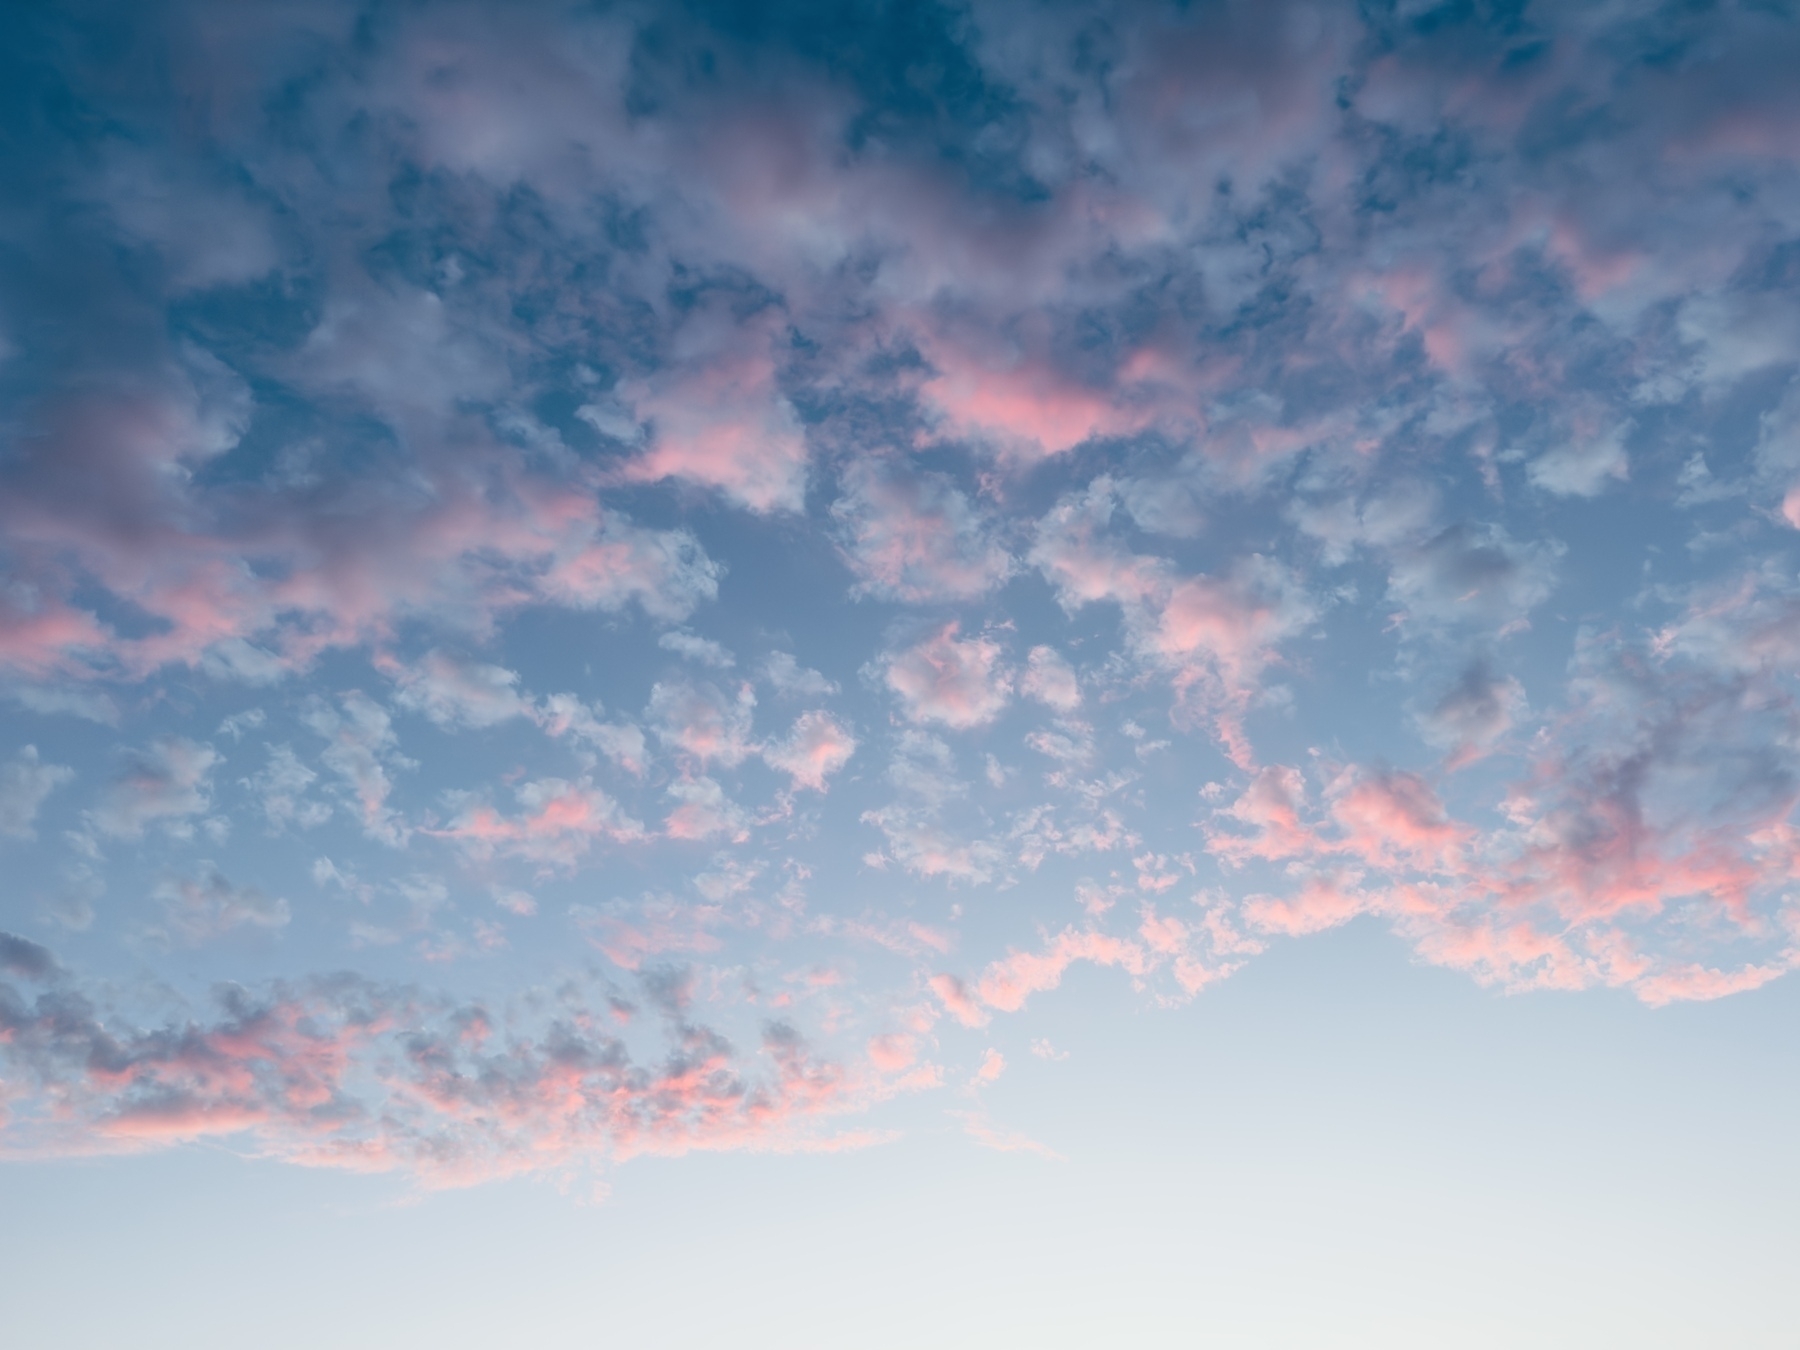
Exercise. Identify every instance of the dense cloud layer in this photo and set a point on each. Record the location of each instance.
(590, 509)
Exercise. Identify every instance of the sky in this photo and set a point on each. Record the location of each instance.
(846, 673)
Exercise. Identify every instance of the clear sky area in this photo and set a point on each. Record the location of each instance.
(882, 674)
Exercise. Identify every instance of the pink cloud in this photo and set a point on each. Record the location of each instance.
(893, 1053)
(915, 537)
(1318, 904)
(655, 926)
(960, 682)
(1690, 983)
(993, 1064)
(108, 501)
(719, 418)
(703, 722)
(42, 635)
(1270, 806)
(1050, 680)
(984, 1132)
(1021, 405)
(1394, 818)
(355, 1076)
(958, 999)
(817, 747)
(1214, 636)
(705, 812)
(1007, 983)
(559, 822)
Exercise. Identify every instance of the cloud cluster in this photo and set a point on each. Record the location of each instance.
(352, 1074)
(1272, 464)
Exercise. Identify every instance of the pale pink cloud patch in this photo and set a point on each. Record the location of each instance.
(1696, 983)
(1050, 680)
(958, 999)
(719, 418)
(703, 811)
(1008, 982)
(1269, 808)
(915, 537)
(657, 925)
(993, 1064)
(1215, 636)
(1021, 404)
(1002, 1139)
(893, 1053)
(704, 722)
(1394, 819)
(1317, 904)
(959, 682)
(817, 747)
(1790, 507)
(558, 823)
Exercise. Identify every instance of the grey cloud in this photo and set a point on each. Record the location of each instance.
(25, 783)
(1474, 575)
(167, 783)
(206, 906)
(1475, 712)
(25, 958)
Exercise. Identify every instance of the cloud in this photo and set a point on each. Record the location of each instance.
(558, 822)
(1215, 636)
(914, 537)
(1019, 402)
(701, 721)
(1651, 804)
(1303, 355)
(1006, 984)
(26, 959)
(1474, 575)
(930, 827)
(701, 651)
(25, 783)
(329, 557)
(1471, 717)
(167, 783)
(719, 417)
(958, 1000)
(288, 1073)
(657, 925)
(1050, 680)
(817, 747)
(704, 812)
(1585, 464)
(791, 678)
(958, 682)
(281, 786)
(207, 906)
(621, 742)
(361, 747)
(456, 693)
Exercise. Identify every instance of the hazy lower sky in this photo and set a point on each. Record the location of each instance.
(880, 674)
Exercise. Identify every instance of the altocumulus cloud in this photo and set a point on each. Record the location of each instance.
(1211, 473)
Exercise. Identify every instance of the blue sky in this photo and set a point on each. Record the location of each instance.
(616, 606)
